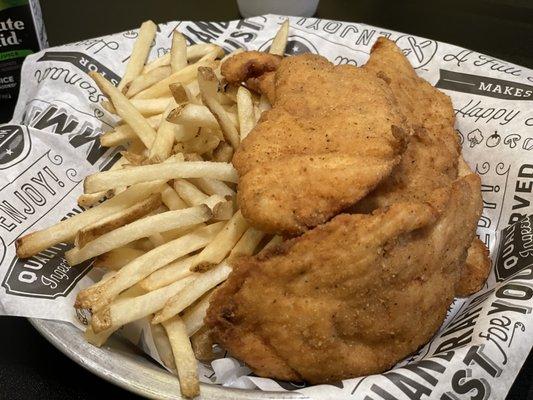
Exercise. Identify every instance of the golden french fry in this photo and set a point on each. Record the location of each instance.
(172, 170)
(178, 52)
(193, 317)
(185, 75)
(203, 142)
(247, 243)
(149, 107)
(208, 84)
(157, 239)
(280, 40)
(116, 220)
(273, 242)
(97, 339)
(126, 110)
(223, 152)
(172, 272)
(264, 105)
(221, 208)
(96, 297)
(194, 52)
(89, 200)
(171, 199)
(180, 92)
(202, 284)
(223, 243)
(147, 79)
(117, 258)
(213, 186)
(66, 230)
(193, 115)
(123, 311)
(124, 133)
(184, 358)
(164, 140)
(163, 347)
(182, 133)
(189, 193)
(139, 229)
(139, 54)
(245, 109)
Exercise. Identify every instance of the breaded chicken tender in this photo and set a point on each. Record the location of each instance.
(351, 297)
(332, 135)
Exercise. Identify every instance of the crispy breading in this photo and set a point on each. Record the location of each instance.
(353, 296)
(432, 158)
(333, 133)
(475, 270)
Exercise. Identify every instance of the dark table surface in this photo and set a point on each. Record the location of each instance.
(30, 367)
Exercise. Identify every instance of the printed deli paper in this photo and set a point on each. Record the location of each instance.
(52, 143)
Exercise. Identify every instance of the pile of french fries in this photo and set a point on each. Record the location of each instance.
(163, 222)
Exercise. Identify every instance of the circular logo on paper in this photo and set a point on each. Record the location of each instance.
(295, 45)
(418, 51)
(15, 145)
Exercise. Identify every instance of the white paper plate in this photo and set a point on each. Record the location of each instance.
(121, 363)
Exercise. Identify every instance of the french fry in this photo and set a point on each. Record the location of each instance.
(223, 243)
(223, 152)
(185, 75)
(139, 54)
(171, 199)
(163, 347)
(88, 200)
(202, 284)
(208, 84)
(193, 317)
(121, 312)
(273, 242)
(178, 52)
(182, 133)
(203, 142)
(138, 229)
(96, 297)
(213, 186)
(116, 220)
(180, 92)
(245, 109)
(184, 358)
(124, 133)
(193, 115)
(126, 110)
(97, 339)
(280, 40)
(194, 52)
(172, 272)
(117, 258)
(189, 193)
(66, 230)
(147, 79)
(133, 158)
(186, 169)
(247, 243)
(164, 140)
(121, 135)
(263, 105)
(156, 239)
(149, 107)
(221, 208)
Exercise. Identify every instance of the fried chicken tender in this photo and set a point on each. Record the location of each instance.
(333, 133)
(351, 297)
(432, 159)
(476, 269)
